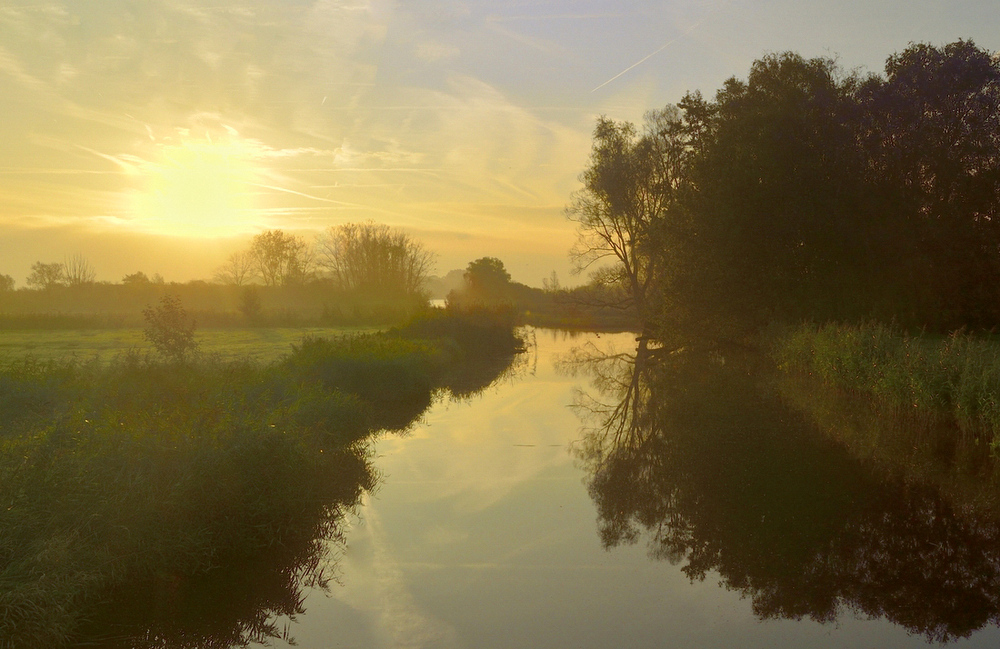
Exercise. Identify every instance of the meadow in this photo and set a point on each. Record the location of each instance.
(257, 343)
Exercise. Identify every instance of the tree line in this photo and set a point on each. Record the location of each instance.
(805, 192)
(359, 257)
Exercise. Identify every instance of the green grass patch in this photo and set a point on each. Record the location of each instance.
(264, 344)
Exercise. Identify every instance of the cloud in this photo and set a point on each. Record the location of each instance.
(432, 51)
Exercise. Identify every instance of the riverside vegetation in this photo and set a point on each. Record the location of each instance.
(865, 205)
(190, 478)
(953, 379)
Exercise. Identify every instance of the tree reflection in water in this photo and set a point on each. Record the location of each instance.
(700, 456)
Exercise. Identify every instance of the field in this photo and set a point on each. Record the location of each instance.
(263, 344)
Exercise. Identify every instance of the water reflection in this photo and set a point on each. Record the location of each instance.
(235, 602)
(703, 459)
(239, 599)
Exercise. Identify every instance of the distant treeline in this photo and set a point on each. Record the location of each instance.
(806, 192)
(486, 282)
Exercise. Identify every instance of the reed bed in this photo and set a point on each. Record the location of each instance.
(956, 376)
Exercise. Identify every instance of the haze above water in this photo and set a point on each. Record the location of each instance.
(484, 533)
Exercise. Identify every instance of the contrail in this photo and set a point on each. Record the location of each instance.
(639, 62)
(662, 47)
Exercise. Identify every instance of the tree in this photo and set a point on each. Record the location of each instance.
(45, 276)
(137, 278)
(78, 270)
(170, 329)
(6, 283)
(931, 133)
(280, 258)
(239, 269)
(486, 277)
(250, 305)
(775, 224)
(551, 283)
(375, 258)
(630, 184)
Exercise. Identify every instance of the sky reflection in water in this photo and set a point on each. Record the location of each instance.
(482, 534)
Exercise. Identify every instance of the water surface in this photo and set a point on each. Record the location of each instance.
(711, 514)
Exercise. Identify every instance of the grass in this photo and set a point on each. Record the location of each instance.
(263, 344)
(955, 377)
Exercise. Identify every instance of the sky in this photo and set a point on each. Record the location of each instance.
(160, 135)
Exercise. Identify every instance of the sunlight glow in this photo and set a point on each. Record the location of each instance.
(197, 188)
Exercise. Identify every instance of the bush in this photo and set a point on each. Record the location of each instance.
(169, 328)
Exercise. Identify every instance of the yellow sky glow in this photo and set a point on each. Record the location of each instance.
(161, 135)
(195, 189)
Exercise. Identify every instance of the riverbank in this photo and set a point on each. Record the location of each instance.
(955, 377)
(142, 471)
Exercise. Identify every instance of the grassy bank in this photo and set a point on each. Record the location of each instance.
(955, 377)
(260, 343)
(148, 482)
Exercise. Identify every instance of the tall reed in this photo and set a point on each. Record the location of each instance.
(957, 375)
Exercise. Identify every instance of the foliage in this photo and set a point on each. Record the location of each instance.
(137, 278)
(240, 268)
(169, 328)
(629, 186)
(6, 283)
(374, 258)
(45, 276)
(487, 280)
(805, 192)
(281, 258)
(957, 377)
(250, 305)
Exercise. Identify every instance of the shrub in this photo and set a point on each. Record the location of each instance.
(169, 328)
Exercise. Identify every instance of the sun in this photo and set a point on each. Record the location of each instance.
(197, 188)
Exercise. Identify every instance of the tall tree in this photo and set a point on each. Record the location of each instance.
(631, 182)
(374, 257)
(239, 269)
(931, 131)
(778, 228)
(44, 276)
(281, 258)
(78, 270)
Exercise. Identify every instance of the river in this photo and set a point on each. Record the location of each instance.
(498, 523)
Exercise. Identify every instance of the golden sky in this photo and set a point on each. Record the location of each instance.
(158, 135)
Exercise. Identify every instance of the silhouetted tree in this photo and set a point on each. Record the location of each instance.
(374, 257)
(137, 278)
(281, 258)
(631, 182)
(805, 192)
(931, 132)
(45, 276)
(239, 269)
(6, 283)
(78, 270)
(250, 305)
